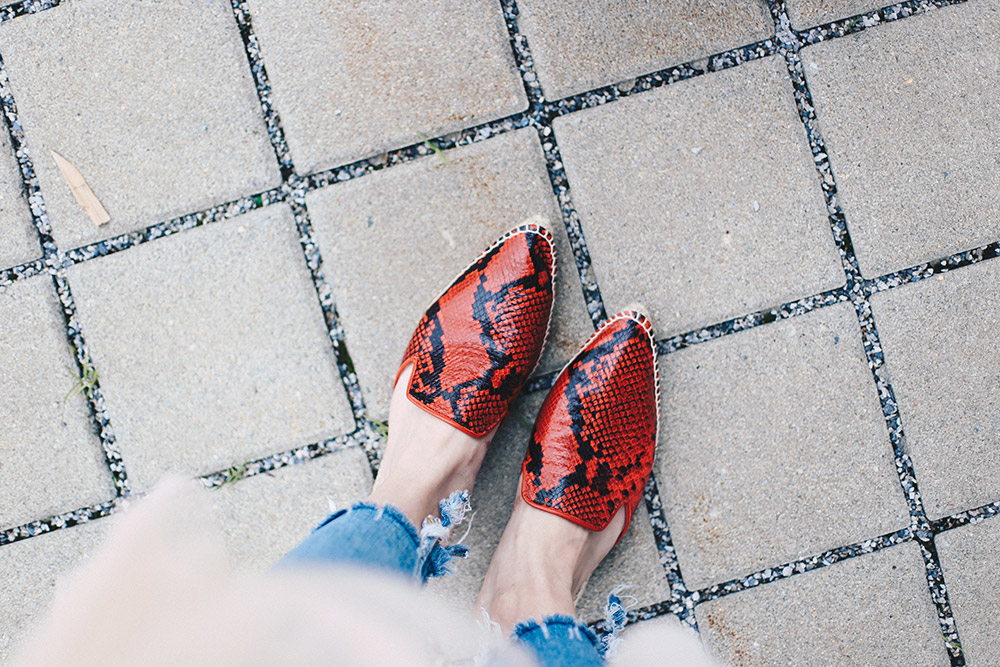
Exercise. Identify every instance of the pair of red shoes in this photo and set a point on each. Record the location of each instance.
(591, 451)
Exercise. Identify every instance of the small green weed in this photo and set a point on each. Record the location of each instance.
(850, 26)
(953, 645)
(382, 428)
(234, 474)
(85, 383)
(437, 150)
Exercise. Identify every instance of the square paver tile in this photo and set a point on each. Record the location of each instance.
(30, 570)
(970, 558)
(211, 347)
(263, 517)
(807, 13)
(700, 199)
(773, 447)
(354, 79)
(869, 610)
(635, 561)
(152, 101)
(581, 45)
(909, 114)
(52, 460)
(939, 340)
(393, 240)
(18, 239)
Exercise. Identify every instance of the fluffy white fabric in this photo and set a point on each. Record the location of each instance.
(161, 592)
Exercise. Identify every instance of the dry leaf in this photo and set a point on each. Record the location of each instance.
(85, 197)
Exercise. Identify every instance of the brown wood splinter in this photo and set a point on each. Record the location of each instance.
(85, 197)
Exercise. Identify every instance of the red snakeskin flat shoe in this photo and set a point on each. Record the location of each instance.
(592, 448)
(482, 338)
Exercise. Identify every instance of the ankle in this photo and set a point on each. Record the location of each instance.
(413, 506)
(534, 594)
(416, 478)
(425, 459)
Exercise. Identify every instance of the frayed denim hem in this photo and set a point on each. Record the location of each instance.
(615, 618)
(563, 640)
(576, 629)
(559, 641)
(432, 557)
(428, 556)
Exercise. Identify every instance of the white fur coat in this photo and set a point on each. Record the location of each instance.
(161, 592)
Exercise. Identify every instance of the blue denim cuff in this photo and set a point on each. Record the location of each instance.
(381, 536)
(378, 512)
(559, 640)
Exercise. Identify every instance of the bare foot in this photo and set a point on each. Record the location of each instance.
(542, 564)
(425, 460)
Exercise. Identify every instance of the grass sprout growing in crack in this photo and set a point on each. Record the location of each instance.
(234, 474)
(953, 645)
(381, 427)
(853, 23)
(437, 150)
(86, 382)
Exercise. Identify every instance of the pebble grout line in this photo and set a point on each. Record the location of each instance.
(64, 520)
(764, 576)
(937, 267)
(266, 464)
(802, 565)
(786, 42)
(24, 7)
(215, 480)
(173, 226)
(859, 22)
(681, 600)
(807, 564)
(785, 311)
(790, 45)
(966, 518)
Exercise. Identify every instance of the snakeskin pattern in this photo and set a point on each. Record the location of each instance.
(592, 448)
(477, 344)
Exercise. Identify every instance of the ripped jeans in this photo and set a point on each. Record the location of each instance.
(383, 538)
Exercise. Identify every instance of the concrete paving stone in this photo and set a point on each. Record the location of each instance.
(263, 517)
(909, 114)
(18, 238)
(939, 340)
(581, 45)
(773, 447)
(807, 13)
(869, 610)
(635, 561)
(152, 101)
(52, 459)
(700, 199)
(211, 347)
(970, 558)
(30, 570)
(354, 79)
(393, 240)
